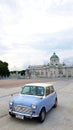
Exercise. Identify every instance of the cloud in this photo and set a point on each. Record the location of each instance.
(22, 19)
(61, 7)
(3, 48)
(60, 40)
(21, 56)
(38, 50)
(30, 31)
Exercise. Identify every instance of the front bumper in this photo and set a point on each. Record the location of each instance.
(22, 114)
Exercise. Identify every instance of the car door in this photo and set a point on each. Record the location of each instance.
(48, 98)
(52, 96)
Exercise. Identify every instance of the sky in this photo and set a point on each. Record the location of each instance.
(32, 30)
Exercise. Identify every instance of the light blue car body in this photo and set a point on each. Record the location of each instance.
(22, 104)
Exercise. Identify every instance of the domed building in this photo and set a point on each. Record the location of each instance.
(54, 69)
(54, 59)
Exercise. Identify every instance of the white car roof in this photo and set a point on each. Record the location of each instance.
(39, 84)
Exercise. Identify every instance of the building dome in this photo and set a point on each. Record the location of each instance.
(54, 59)
(54, 56)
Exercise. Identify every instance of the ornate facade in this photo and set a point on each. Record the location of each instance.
(54, 69)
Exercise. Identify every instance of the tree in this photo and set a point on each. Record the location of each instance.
(4, 71)
(23, 72)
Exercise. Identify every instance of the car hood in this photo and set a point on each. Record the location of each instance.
(26, 100)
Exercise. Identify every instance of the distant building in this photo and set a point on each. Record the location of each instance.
(54, 69)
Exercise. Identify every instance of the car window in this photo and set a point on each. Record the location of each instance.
(40, 91)
(33, 90)
(51, 89)
(25, 90)
(47, 91)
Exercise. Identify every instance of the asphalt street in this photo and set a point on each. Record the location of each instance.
(60, 118)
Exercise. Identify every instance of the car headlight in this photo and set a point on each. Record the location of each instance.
(34, 106)
(11, 103)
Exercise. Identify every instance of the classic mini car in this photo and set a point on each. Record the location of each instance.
(35, 100)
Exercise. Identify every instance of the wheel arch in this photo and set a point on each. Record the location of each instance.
(43, 108)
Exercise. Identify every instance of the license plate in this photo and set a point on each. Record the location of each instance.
(20, 116)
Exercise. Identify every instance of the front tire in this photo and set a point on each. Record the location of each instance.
(12, 115)
(42, 115)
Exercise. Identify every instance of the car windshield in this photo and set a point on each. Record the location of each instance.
(33, 90)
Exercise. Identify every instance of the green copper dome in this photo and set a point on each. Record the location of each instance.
(54, 56)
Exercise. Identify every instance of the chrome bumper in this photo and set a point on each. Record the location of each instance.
(23, 114)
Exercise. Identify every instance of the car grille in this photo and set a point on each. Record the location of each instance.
(22, 109)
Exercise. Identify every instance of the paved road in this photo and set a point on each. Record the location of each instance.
(60, 118)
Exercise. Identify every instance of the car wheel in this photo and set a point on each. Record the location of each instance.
(42, 115)
(56, 102)
(12, 115)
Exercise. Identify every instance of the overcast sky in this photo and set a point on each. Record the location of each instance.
(31, 30)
